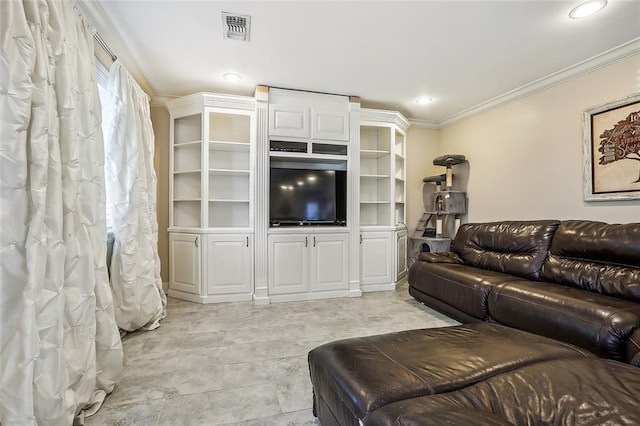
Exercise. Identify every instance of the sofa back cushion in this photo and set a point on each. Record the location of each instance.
(596, 256)
(517, 248)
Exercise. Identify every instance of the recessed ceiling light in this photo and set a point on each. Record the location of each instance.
(587, 9)
(424, 100)
(232, 77)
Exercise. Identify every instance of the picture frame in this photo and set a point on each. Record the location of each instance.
(611, 150)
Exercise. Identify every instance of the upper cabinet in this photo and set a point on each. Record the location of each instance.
(330, 124)
(308, 116)
(289, 120)
(212, 141)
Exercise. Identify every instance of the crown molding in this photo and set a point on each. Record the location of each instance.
(370, 114)
(161, 100)
(424, 124)
(594, 63)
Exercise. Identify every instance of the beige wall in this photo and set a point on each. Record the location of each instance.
(422, 148)
(525, 157)
(160, 121)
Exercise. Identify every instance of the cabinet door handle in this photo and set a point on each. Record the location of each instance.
(360, 238)
(314, 241)
(247, 241)
(306, 241)
(196, 241)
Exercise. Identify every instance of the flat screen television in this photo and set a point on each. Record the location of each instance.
(307, 197)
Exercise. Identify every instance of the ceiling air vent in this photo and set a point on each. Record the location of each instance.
(236, 27)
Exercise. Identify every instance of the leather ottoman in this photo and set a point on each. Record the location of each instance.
(353, 377)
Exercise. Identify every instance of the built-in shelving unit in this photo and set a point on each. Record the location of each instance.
(229, 169)
(375, 175)
(399, 190)
(211, 216)
(382, 199)
(225, 153)
(186, 171)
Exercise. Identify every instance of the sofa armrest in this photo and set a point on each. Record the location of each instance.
(633, 349)
(446, 257)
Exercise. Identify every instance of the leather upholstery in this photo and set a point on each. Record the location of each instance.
(449, 417)
(443, 307)
(633, 349)
(575, 281)
(357, 376)
(517, 248)
(599, 323)
(597, 257)
(579, 281)
(465, 287)
(559, 392)
(447, 257)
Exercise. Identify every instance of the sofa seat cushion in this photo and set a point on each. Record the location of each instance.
(465, 287)
(596, 322)
(355, 376)
(557, 392)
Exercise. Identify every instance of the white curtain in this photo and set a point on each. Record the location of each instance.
(140, 302)
(60, 346)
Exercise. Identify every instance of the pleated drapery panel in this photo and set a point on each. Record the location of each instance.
(139, 300)
(60, 347)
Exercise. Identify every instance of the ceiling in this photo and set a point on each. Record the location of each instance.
(460, 53)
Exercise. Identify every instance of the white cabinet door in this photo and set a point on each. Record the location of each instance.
(288, 264)
(375, 258)
(401, 254)
(329, 262)
(330, 124)
(229, 266)
(184, 262)
(289, 121)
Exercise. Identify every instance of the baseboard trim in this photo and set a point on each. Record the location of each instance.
(368, 288)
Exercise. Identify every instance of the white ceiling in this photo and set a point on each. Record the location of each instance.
(460, 53)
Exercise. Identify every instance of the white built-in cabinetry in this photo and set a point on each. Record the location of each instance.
(221, 244)
(312, 263)
(314, 131)
(302, 116)
(382, 199)
(211, 192)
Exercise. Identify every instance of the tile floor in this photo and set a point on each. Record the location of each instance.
(240, 364)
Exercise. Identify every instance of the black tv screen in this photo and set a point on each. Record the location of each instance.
(305, 196)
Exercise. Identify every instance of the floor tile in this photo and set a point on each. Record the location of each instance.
(242, 364)
(138, 414)
(214, 408)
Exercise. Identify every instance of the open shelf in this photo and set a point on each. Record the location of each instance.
(382, 173)
(373, 138)
(228, 172)
(186, 213)
(212, 164)
(373, 153)
(229, 127)
(229, 187)
(186, 186)
(187, 144)
(229, 146)
(187, 129)
(374, 176)
(234, 214)
(374, 214)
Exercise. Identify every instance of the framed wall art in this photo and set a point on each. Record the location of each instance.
(612, 150)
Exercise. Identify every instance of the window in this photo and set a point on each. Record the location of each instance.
(102, 78)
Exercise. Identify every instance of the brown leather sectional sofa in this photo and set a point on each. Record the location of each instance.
(545, 303)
